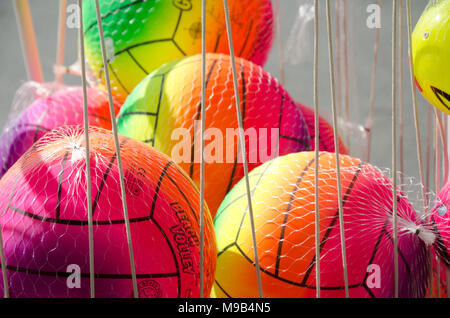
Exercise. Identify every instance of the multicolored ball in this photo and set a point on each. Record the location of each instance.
(141, 36)
(283, 203)
(164, 111)
(45, 227)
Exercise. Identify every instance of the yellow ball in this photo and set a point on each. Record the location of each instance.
(431, 54)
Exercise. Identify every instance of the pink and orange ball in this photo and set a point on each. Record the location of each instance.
(45, 224)
(283, 202)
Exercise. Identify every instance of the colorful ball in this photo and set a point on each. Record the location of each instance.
(283, 202)
(140, 36)
(440, 217)
(326, 132)
(431, 53)
(63, 107)
(45, 229)
(164, 111)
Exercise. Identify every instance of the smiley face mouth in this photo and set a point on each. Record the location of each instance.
(443, 97)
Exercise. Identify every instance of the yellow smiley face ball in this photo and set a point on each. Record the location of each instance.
(142, 35)
(431, 54)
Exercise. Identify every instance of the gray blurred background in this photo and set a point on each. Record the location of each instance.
(298, 75)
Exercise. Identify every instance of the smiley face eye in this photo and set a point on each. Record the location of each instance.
(443, 97)
(442, 209)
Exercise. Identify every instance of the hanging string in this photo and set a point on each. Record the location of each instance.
(338, 57)
(414, 97)
(118, 156)
(428, 151)
(88, 155)
(202, 148)
(369, 120)
(400, 94)
(280, 42)
(62, 38)
(394, 143)
(415, 109)
(316, 143)
(336, 147)
(242, 145)
(436, 188)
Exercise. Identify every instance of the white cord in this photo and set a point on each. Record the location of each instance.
(28, 40)
(369, 120)
(394, 143)
(280, 42)
(414, 98)
(242, 145)
(62, 37)
(336, 148)
(88, 156)
(316, 142)
(118, 156)
(202, 147)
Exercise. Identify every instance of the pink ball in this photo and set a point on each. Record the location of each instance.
(63, 107)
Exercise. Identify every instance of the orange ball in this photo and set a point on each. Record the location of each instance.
(283, 202)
